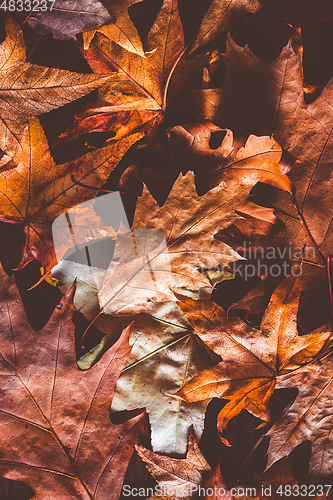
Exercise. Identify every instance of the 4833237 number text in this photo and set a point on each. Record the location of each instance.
(303, 490)
(27, 5)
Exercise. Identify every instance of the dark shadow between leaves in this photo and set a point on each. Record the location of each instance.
(39, 303)
(15, 490)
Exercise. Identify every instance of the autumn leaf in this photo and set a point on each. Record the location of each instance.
(252, 359)
(223, 13)
(56, 433)
(214, 485)
(304, 130)
(68, 18)
(219, 16)
(37, 190)
(141, 89)
(122, 30)
(308, 418)
(280, 474)
(151, 259)
(164, 356)
(28, 90)
(176, 477)
(190, 149)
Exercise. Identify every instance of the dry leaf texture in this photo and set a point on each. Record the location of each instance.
(251, 359)
(308, 418)
(176, 476)
(55, 425)
(68, 17)
(164, 356)
(38, 190)
(27, 90)
(122, 30)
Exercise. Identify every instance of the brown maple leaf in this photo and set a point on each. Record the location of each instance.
(177, 478)
(219, 17)
(215, 487)
(121, 30)
(142, 89)
(56, 433)
(223, 13)
(268, 98)
(252, 360)
(28, 90)
(67, 19)
(308, 418)
(164, 356)
(166, 248)
(190, 150)
(37, 190)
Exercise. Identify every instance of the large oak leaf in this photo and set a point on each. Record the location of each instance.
(27, 90)
(37, 190)
(222, 13)
(269, 99)
(251, 359)
(164, 356)
(167, 249)
(56, 433)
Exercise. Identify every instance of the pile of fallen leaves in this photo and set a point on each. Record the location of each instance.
(147, 346)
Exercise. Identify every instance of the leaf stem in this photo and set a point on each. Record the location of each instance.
(166, 88)
(159, 349)
(330, 282)
(286, 213)
(27, 17)
(308, 232)
(78, 183)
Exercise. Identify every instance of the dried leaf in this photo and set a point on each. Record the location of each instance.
(190, 149)
(164, 356)
(256, 300)
(150, 260)
(219, 16)
(56, 433)
(122, 30)
(69, 17)
(251, 359)
(139, 92)
(223, 13)
(309, 418)
(28, 90)
(176, 477)
(38, 190)
(268, 98)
